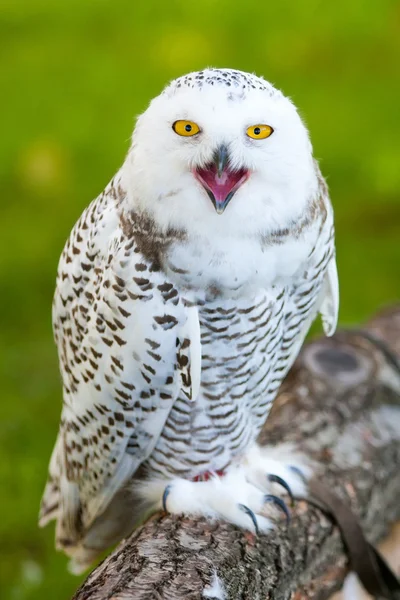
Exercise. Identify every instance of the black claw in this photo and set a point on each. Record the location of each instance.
(280, 504)
(165, 496)
(282, 482)
(252, 516)
(298, 472)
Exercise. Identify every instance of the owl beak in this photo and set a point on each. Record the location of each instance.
(221, 159)
(219, 180)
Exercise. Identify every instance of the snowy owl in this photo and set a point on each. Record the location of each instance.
(184, 293)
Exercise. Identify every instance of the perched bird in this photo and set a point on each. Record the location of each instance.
(184, 293)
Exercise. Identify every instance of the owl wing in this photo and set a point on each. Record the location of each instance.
(330, 299)
(128, 345)
(315, 291)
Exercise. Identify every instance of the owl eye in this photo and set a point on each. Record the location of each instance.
(259, 132)
(186, 128)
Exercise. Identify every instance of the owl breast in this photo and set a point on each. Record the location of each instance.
(236, 267)
(250, 327)
(243, 356)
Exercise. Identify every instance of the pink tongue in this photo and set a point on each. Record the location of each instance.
(220, 186)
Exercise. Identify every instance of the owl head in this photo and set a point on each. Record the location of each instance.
(222, 150)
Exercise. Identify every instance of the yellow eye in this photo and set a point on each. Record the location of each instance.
(186, 128)
(259, 132)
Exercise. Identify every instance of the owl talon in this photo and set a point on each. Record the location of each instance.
(280, 504)
(299, 473)
(252, 516)
(276, 479)
(165, 496)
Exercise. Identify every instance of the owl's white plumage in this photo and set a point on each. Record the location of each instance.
(283, 172)
(175, 325)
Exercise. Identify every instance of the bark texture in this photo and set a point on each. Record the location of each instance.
(340, 405)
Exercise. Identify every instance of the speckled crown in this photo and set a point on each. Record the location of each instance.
(230, 78)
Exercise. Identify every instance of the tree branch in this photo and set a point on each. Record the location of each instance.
(341, 406)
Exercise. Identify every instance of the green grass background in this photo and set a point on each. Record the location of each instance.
(73, 76)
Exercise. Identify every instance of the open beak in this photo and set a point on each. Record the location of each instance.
(219, 180)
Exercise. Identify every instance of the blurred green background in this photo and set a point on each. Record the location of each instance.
(74, 73)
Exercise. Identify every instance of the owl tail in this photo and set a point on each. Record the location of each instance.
(82, 559)
(81, 555)
(84, 546)
(51, 508)
(115, 523)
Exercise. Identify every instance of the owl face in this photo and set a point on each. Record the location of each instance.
(219, 143)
